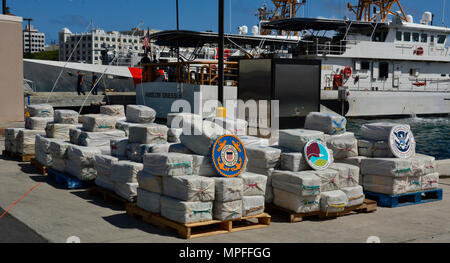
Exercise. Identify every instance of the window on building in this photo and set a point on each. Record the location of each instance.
(102, 39)
(399, 36)
(432, 38)
(96, 38)
(113, 39)
(107, 39)
(424, 38)
(384, 70)
(441, 39)
(135, 41)
(415, 37)
(407, 36)
(365, 65)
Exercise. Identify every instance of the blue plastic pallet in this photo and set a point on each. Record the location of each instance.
(421, 197)
(67, 181)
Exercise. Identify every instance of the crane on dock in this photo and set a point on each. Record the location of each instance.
(376, 10)
(283, 9)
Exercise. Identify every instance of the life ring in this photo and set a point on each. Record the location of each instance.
(347, 72)
(419, 51)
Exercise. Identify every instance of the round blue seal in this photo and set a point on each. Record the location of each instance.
(228, 156)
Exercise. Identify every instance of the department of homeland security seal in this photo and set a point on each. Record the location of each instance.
(317, 155)
(401, 142)
(228, 156)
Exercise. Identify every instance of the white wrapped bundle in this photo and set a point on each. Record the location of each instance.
(298, 183)
(160, 148)
(40, 110)
(390, 185)
(228, 189)
(377, 131)
(140, 114)
(173, 135)
(59, 164)
(227, 210)
(149, 201)
(365, 148)
(201, 165)
(356, 161)
(149, 182)
(168, 164)
(329, 179)
(176, 119)
(254, 184)
(430, 181)
(113, 110)
(295, 140)
(191, 188)
(119, 147)
(253, 141)
(58, 149)
(332, 124)
(125, 126)
(11, 139)
(26, 140)
(333, 201)
(125, 171)
(104, 164)
(74, 136)
(354, 194)
(208, 133)
(83, 156)
(42, 150)
(185, 212)
(348, 174)
(343, 145)
(293, 162)
(106, 150)
(80, 171)
(66, 116)
(296, 203)
(104, 182)
(127, 191)
(179, 148)
(148, 135)
(429, 163)
(381, 150)
(263, 157)
(98, 122)
(59, 130)
(100, 139)
(387, 166)
(414, 183)
(235, 126)
(252, 205)
(136, 151)
(37, 123)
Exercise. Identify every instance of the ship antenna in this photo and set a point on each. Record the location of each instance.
(443, 12)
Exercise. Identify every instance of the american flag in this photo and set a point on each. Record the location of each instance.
(146, 42)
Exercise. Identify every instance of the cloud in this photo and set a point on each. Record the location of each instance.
(70, 20)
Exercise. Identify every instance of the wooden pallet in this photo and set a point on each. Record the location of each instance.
(66, 180)
(367, 207)
(108, 195)
(42, 169)
(200, 229)
(25, 158)
(406, 199)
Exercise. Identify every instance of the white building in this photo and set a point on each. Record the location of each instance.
(124, 45)
(37, 40)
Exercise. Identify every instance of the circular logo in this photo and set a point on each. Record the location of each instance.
(401, 142)
(317, 155)
(228, 156)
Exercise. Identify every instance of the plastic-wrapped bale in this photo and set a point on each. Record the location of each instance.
(173, 135)
(428, 162)
(58, 152)
(296, 139)
(40, 110)
(149, 182)
(125, 171)
(104, 182)
(37, 123)
(26, 140)
(377, 131)
(84, 173)
(186, 212)
(253, 141)
(59, 130)
(381, 150)
(333, 201)
(104, 164)
(354, 194)
(343, 145)
(356, 161)
(176, 119)
(236, 126)
(298, 183)
(365, 148)
(179, 148)
(430, 181)
(252, 205)
(140, 114)
(74, 136)
(80, 162)
(228, 189)
(100, 139)
(11, 139)
(127, 191)
(168, 164)
(332, 124)
(98, 122)
(329, 179)
(391, 185)
(113, 110)
(125, 126)
(119, 147)
(42, 150)
(191, 188)
(227, 210)
(254, 184)
(59, 164)
(202, 166)
(136, 151)
(149, 201)
(296, 203)
(155, 133)
(263, 157)
(387, 166)
(208, 133)
(160, 148)
(349, 175)
(66, 116)
(293, 162)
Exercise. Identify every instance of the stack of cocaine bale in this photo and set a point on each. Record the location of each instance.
(141, 140)
(254, 193)
(235, 126)
(11, 139)
(40, 115)
(103, 164)
(58, 153)
(80, 162)
(175, 124)
(124, 178)
(374, 141)
(64, 120)
(42, 150)
(136, 115)
(117, 111)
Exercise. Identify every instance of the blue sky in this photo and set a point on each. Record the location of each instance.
(52, 15)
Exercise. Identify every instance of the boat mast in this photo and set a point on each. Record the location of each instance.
(376, 10)
(283, 9)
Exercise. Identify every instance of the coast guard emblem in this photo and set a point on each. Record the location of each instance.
(401, 142)
(228, 156)
(317, 155)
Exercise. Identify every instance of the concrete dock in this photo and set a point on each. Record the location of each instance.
(54, 214)
(72, 99)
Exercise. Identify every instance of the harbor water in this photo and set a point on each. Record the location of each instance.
(432, 134)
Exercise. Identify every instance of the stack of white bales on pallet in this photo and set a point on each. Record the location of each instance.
(40, 115)
(42, 150)
(142, 139)
(124, 178)
(374, 141)
(11, 139)
(64, 120)
(58, 153)
(254, 193)
(80, 162)
(136, 115)
(117, 111)
(104, 164)
(175, 123)
(235, 126)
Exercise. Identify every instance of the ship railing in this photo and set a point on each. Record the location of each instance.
(316, 47)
